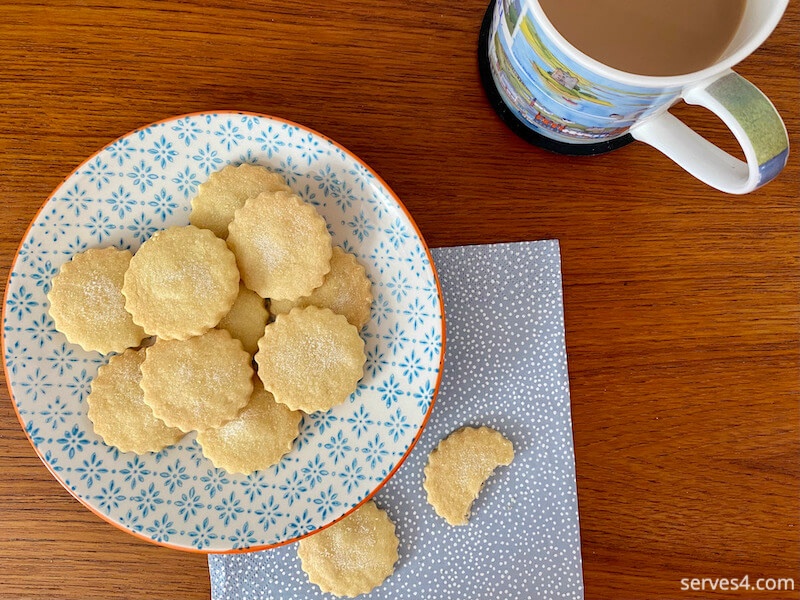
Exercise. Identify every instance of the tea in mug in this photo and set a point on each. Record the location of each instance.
(648, 37)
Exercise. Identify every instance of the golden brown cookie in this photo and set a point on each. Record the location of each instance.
(246, 319)
(458, 468)
(87, 304)
(282, 245)
(310, 359)
(353, 556)
(199, 383)
(227, 190)
(346, 290)
(181, 282)
(118, 412)
(256, 439)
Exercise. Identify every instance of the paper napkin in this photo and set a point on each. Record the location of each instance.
(505, 367)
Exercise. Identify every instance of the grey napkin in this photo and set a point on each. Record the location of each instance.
(505, 367)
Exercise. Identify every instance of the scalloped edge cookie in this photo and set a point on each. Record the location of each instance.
(227, 190)
(353, 556)
(246, 319)
(282, 245)
(310, 359)
(118, 412)
(260, 435)
(199, 383)
(346, 290)
(87, 304)
(181, 282)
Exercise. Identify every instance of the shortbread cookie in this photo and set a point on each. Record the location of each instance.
(197, 383)
(181, 282)
(346, 290)
(282, 245)
(257, 438)
(87, 304)
(118, 412)
(458, 468)
(226, 190)
(311, 359)
(353, 556)
(246, 319)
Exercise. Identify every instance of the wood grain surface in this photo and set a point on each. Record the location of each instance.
(682, 303)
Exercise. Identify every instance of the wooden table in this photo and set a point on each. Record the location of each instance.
(682, 303)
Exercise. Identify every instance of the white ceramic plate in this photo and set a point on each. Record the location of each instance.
(143, 182)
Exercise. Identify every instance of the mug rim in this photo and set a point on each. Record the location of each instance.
(661, 81)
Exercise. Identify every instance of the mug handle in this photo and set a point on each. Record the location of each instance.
(751, 117)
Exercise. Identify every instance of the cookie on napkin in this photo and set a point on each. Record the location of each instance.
(459, 466)
(353, 556)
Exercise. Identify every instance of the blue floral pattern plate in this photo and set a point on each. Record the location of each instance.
(143, 182)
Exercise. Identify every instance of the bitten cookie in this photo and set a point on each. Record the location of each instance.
(118, 412)
(256, 439)
(227, 190)
(180, 283)
(282, 245)
(311, 359)
(346, 290)
(87, 304)
(353, 556)
(458, 468)
(199, 383)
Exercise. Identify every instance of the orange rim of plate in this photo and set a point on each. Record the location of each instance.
(413, 441)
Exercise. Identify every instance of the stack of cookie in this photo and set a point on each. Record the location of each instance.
(198, 349)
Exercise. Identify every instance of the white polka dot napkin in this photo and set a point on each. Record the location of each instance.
(505, 367)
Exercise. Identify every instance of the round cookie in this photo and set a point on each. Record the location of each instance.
(228, 189)
(346, 290)
(246, 319)
(257, 438)
(118, 412)
(197, 383)
(87, 305)
(353, 556)
(310, 359)
(458, 468)
(181, 282)
(282, 245)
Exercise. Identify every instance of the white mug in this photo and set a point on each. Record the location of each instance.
(528, 68)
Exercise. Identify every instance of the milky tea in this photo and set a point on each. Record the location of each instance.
(648, 37)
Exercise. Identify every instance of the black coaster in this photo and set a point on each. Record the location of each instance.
(515, 123)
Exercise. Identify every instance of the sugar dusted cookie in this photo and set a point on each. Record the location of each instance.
(353, 556)
(246, 319)
(181, 282)
(282, 245)
(228, 189)
(118, 412)
(346, 290)
(311, 359)
(197, 383)
(87, 304)
(256, 439)
(458, 468)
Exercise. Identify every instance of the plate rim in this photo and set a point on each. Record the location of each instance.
(394, 197)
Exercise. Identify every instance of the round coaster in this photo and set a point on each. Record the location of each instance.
(515, 123)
